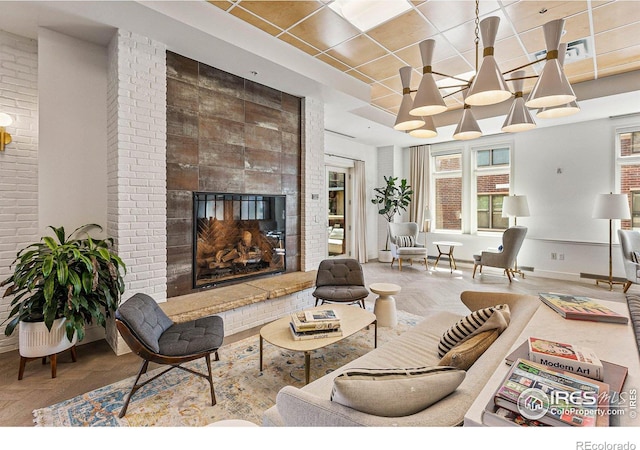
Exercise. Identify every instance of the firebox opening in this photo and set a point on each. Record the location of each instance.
(237, 236)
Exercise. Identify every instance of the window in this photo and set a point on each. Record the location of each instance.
(448, 191)
(628, 173)
(492, 174)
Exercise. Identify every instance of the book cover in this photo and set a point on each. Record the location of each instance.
(315, 315)
(581, 308)
(315, 334)
(301, 324)
(568, 357)
(570, 401)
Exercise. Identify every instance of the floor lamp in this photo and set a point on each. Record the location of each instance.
(515, 206)
(611, 206)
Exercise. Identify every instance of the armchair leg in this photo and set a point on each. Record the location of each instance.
(509, 275)
(392, 261)
(426, 264)
(475, 266)
(210, 377)
(626, 287)
(400, 264)
(134, 388)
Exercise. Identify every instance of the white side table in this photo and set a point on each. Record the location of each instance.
(449, 254)
(385, 306)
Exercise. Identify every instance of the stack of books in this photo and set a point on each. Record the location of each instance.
(315, 324)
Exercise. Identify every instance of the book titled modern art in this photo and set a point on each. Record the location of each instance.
(561, 356)
(581, 308)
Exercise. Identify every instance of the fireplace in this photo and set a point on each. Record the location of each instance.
(237, 236)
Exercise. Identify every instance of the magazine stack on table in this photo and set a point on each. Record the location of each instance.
(315, 324)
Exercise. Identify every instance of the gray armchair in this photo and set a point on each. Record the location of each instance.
(340, 280)
(512, 240)
(630, 247)
(403, 238)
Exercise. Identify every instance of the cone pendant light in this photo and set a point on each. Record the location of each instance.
(468, 127)
(552, 87)
(405, 121)
(519, 117)
(552, 112)
(428, 130)
(428, 100)
(489, 86)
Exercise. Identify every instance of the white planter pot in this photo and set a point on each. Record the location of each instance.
(35, 340)
(384, 256)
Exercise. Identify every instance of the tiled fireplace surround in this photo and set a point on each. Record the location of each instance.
(222, 133)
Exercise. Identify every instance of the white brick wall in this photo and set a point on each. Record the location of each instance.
(314, 211)
(19, 161)
(136, 163)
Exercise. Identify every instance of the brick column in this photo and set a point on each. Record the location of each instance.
(136, 164)
(313, 196)
(19, 161)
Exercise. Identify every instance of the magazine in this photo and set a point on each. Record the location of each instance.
(560, 356)
(571, 401)
(314, 315)
(581, 308)
(300, 323)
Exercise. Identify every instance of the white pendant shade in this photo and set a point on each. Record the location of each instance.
(428, 100)
(568, 109)
(611, 206)
(552, 87)
(468, 127)
(519, 118)
(428, 130)
(5, 120)
(488, 86)
(404, 120)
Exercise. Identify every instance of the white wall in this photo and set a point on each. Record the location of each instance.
(337, 145)
(72, 172)
(560, 203)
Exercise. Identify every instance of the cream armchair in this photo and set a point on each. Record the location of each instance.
(630, 247)
(512, 240)
(404, 243)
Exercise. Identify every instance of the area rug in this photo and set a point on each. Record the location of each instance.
(242, 391)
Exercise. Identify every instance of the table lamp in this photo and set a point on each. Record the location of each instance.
(427, 218)
(515, 206)
(611, 206)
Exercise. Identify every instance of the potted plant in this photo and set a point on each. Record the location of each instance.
(391, 199)
(65, 279)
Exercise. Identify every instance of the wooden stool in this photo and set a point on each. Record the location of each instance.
(54, 362)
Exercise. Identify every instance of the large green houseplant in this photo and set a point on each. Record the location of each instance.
(76, 278)
(390, 200)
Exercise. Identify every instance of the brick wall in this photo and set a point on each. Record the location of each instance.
(449, 200)
(226, 134)
(136, 162)
(19, 161)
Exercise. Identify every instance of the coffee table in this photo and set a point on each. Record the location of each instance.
(352, 320)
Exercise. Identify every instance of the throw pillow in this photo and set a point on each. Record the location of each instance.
(464, 354)
(395, 392)
(405, 241)
(635, 257)
(493, 317)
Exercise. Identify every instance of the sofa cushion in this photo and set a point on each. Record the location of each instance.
(490, 318)
(395, 392)
(464, 354)
(405, 241)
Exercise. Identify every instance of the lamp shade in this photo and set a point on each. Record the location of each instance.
(568, 109)
(428, 130)
(611, 206)
(404, 120)
(515, 206)
(5, 120)
(552, 87)
(468, 127)
(488, 86)
(428, 100)
(519, 117)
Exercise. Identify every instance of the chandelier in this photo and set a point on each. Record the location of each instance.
(552, 94)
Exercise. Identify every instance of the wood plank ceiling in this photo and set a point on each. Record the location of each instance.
(611, 29)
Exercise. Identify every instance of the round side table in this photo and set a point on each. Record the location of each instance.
(385, 306)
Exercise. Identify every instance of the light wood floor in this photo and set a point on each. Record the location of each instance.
(98, 366)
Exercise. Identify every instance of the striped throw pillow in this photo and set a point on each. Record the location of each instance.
(493, 317)
(405, 241)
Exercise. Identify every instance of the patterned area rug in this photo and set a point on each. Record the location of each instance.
(242, 392)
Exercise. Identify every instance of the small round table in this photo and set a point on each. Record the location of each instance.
(449, 254)
(385, 306)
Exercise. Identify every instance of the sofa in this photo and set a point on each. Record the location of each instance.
(417, 347)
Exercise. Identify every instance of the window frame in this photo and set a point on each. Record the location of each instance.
(621, 161)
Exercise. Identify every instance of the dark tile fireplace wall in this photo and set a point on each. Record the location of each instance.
(226, 134)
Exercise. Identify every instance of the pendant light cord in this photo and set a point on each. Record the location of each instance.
(477, 31)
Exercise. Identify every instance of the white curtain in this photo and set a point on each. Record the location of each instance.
(360, 211)
(419, 181)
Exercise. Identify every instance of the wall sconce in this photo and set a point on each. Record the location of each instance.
(5, 138)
